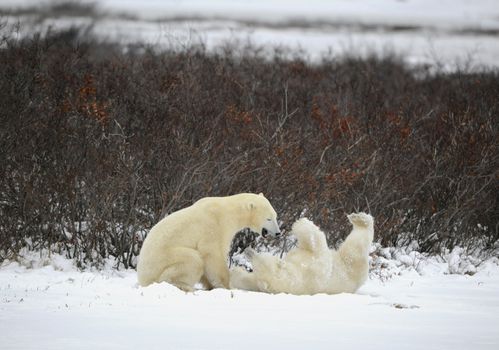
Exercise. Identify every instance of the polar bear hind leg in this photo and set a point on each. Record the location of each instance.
(183, 267)
(356, 245)
(351, 260)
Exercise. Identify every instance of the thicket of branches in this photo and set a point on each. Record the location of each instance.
(98, 143)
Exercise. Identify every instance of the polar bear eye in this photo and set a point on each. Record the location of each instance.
(269, 219)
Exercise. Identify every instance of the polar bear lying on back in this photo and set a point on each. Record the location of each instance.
(312, 267)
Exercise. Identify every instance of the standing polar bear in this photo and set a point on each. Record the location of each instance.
(312, 267)
(192, 244)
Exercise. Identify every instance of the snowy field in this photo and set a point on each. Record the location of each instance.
(409, 302)
(57, 307)
(445, 33)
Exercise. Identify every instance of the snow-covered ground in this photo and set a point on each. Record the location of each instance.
(410, 302)
(445, 32)
(58, 307)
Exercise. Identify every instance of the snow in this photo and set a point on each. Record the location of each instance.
(54, 306)
(410, 301)
(445, 33)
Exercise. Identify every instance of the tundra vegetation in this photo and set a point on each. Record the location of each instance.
(99, 141)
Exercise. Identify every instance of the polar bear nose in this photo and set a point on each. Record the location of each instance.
(266, 232)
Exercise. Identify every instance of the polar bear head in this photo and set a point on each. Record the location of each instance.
(262, 217)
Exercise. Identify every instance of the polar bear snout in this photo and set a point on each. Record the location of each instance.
(271, 229)
(266, 233)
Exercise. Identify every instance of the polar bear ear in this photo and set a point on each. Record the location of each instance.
(261, 194)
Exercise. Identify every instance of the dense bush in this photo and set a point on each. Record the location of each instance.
(97, 143)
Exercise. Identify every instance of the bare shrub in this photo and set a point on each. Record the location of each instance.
(98, 144)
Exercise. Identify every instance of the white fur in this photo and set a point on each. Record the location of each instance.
(312, 267)
(192, 244)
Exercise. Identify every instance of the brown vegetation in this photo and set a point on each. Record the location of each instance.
(97, 144)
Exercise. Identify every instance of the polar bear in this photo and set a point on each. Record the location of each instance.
(312, 267)
(192, 244)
